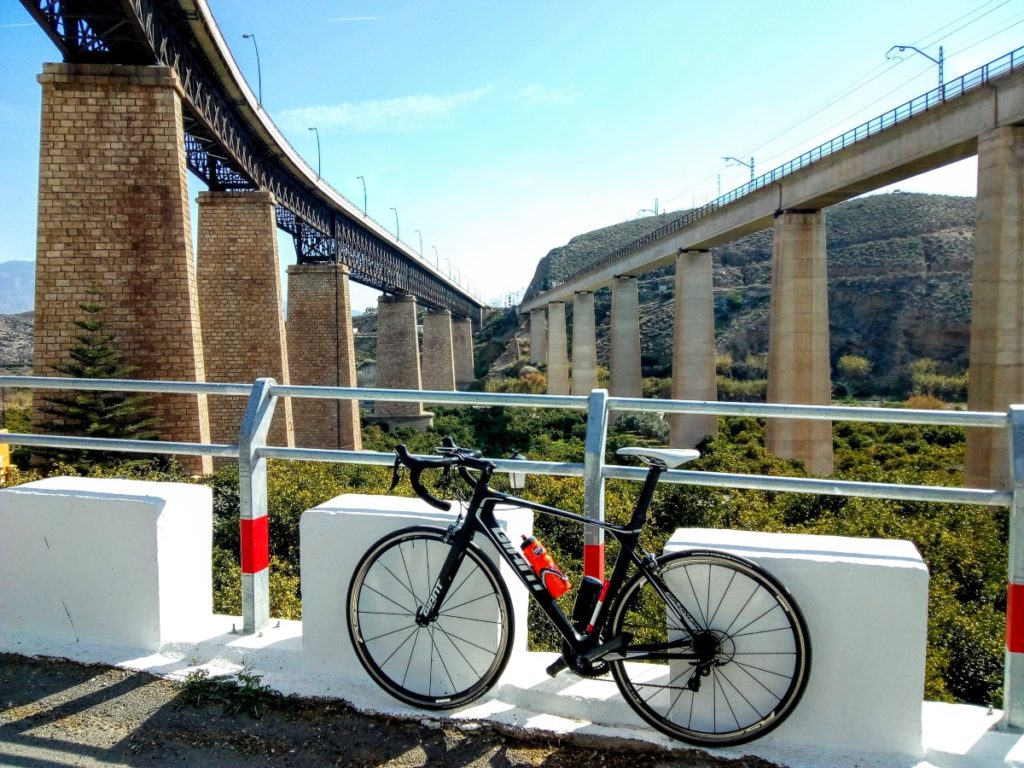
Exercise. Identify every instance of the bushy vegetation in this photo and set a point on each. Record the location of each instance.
(965, 547)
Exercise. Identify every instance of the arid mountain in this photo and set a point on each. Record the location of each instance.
(899, 283)
(16, 343)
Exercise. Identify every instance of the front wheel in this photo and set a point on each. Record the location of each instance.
(438, 665)
(740, 671)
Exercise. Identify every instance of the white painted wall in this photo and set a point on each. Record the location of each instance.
(89, 567)
(122, 563)
(333, 539)
(866, 606)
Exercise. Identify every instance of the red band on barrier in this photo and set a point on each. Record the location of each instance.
(255, 544)
(593, 560)
(1015, 618)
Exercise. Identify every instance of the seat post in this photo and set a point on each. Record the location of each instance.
(654, 471)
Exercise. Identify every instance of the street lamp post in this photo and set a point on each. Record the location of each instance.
(364, 194)
(939, 61)
(749, 165)
(437, 258)
(259, 70)
(398, 232)
(421, 242)
(314, 130)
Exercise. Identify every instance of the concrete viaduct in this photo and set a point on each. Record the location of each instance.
(146, 93)
(982, 114)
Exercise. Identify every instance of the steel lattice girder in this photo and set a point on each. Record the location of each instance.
(223, 150)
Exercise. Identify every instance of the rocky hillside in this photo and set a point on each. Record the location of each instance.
(16, 343)
(899, 283)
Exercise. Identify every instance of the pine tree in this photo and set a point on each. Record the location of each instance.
(88, 413)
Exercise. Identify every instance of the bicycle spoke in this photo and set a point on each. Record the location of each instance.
(721, 600)
(388, 598)
(463, 650)
(755, 672)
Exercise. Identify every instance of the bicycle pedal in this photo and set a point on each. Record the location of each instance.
(557, 666)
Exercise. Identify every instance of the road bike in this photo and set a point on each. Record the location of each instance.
(705, 646)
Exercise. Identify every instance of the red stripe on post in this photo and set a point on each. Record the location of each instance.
(1015, 618)
(255, 544)
(593, 560)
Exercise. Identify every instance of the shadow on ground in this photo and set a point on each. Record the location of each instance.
(59, 713)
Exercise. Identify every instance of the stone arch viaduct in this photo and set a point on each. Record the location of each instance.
(980, 114)
(148, 91)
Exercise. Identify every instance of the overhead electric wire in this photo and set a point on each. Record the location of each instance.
(870, 76)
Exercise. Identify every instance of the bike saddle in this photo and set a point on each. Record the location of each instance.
(670, 457)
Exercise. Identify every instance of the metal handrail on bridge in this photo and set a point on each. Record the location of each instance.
(1008, 62)
(252, 453)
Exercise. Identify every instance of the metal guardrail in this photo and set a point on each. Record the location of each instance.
(1005, 64)
(253, 452)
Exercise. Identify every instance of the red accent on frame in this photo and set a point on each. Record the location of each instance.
(593, 560)
(255, 544)
(1015, 618)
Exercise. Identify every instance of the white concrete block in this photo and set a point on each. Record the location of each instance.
(866, 606)
(109, 562)
(333, 539)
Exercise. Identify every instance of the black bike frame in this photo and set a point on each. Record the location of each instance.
(479, 518)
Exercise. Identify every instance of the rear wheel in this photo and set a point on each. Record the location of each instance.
(438, 665)
(737, 675)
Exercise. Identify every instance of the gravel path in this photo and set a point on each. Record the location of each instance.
(55, 713)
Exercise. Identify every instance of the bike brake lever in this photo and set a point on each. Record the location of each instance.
(396, 474)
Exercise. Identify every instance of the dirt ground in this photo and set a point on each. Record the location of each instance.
(59, 713)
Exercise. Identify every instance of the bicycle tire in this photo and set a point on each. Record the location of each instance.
(451, 661)
(749, 625)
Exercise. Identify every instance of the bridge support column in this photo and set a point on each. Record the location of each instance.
(438, 355)
(584, 344)
(462, 341)
(398, 361)
(798, 362)
(538, 336)
(124, 233)
(321, 353)
(240, 306)
(624, 353)
(693, 347)
(558, 352)
(997, 315)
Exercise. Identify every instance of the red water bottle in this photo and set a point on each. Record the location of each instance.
(556, 582)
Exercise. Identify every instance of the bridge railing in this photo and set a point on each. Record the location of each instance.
(977, 78)
(252, 453)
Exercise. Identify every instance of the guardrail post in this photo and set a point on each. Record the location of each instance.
(593, 482)
(252, 496)
(1013, 675)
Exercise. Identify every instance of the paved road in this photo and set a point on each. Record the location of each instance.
(59, 713)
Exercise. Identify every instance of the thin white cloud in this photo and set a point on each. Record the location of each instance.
(535, 93)
(405, 113)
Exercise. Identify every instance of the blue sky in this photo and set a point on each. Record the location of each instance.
(501, 130)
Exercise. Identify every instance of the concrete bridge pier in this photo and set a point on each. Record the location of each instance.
(624, 354)
(125, 234)
(398, 361)
(538, 336)
(462, 341)
(997, 314)
(693, 347)
(321, 352)
(240, 305)
(558, 353)
(798, 357)
(584, 344)
(438, 354)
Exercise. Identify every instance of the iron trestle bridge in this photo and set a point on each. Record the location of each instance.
(232, 144)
